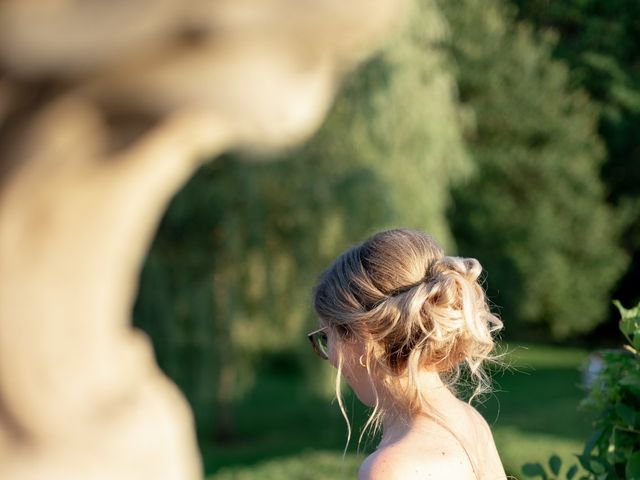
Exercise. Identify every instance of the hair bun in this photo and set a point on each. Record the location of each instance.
(411, 307)
(469, 268)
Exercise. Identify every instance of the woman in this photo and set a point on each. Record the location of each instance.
(399, 320)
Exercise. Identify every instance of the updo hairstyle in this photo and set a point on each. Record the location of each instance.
(412, 307)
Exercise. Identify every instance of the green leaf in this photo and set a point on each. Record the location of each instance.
(572, 472)
(628, 312)
(590, 443)
(584, 461)
(596, 466)
(630, 323)
(627, 414)
(632, 382)
(534, 470)
(626, 326)
(632, 470)
(630, 327)
(620, 308)
(554, 464)
(612, 449)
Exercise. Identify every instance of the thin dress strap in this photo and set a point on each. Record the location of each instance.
(443, 425)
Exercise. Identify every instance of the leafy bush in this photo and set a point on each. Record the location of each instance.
(612, 452)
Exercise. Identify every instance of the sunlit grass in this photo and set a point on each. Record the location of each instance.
(517, 447)
(305, 466)
(286, 432)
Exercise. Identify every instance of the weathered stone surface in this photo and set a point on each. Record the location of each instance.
(106, 110)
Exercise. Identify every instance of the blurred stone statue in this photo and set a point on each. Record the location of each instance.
(106, 110)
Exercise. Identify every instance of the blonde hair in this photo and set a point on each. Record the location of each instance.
(411, 307)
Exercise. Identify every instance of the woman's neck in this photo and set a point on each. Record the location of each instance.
(395, 425)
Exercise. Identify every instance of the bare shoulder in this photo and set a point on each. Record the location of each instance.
(481, 423)
(400, 463)
(482, 427)
(488, 452)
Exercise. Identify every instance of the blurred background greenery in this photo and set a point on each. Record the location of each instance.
(507, 130)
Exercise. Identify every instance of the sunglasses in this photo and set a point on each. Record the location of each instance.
(319, 342)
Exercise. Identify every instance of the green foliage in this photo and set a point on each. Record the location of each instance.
(535, 214)
(612, 452)
(555, 469)
(630, 324)
(599, 41)
(601, 45)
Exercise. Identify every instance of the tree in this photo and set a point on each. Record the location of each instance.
(535, 214)
(601, 47)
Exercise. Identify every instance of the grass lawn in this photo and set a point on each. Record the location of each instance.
(534, 412)
(284, 431)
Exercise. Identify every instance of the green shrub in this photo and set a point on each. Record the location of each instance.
(612, 452)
